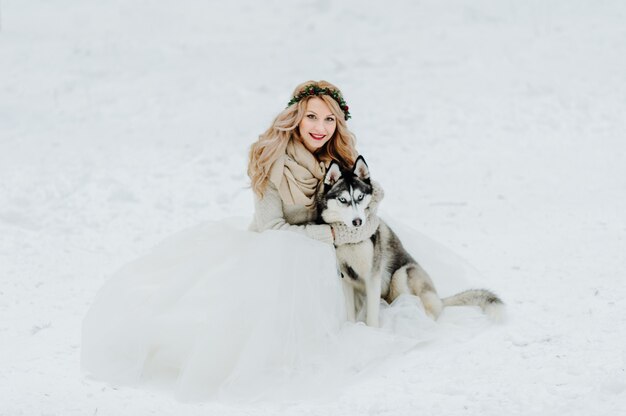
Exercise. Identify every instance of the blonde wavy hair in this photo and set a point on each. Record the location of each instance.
(273, 143)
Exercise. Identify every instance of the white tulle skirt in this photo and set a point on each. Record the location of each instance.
(217, 311)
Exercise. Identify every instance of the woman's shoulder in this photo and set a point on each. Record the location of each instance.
(276, 170)
(269, 196)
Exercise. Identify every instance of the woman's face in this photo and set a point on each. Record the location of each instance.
(318, 124)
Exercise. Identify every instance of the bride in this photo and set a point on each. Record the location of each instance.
(225, 310)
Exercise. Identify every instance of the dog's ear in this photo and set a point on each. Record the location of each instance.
(332, 174)
(360, 169)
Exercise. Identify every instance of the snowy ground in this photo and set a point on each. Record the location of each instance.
(496, 127)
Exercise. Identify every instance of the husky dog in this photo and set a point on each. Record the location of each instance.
(380, 266)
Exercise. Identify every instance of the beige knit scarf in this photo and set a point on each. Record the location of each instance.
(297, 174)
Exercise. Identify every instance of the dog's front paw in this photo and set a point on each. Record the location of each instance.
(373, 322)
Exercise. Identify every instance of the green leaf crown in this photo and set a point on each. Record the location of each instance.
(313, 89)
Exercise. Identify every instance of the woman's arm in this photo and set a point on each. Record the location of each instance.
(269, 216)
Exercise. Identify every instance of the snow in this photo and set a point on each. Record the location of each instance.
(495, 127)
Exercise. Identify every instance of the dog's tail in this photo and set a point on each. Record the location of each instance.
(491, 304)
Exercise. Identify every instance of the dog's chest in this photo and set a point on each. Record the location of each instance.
(356, 261)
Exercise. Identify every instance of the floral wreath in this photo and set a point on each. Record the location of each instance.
(313, 89)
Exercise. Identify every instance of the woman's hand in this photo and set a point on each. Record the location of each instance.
(378, 194)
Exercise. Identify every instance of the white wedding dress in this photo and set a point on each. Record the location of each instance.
(217, 311)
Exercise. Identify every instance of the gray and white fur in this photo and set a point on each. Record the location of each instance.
(379, 266)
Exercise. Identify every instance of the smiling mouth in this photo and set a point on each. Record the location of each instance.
(317, 136)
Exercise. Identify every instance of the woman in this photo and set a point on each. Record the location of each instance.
(290, 158)
(219, 310)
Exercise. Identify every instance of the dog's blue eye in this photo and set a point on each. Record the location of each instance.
(342, 200)
(360, 198)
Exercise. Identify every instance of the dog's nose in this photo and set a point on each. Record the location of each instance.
(357, 222)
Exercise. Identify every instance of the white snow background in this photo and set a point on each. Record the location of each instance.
(496, 127)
